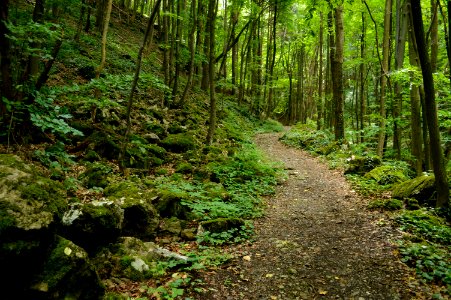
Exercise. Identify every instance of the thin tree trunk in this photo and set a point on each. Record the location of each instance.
(337, 75)
(384, 79)
(319, 108)
(212, 7)
(189, 81)
(441, 181)
(121, 158)
(5, 58)
(401, 33)
(362, 98)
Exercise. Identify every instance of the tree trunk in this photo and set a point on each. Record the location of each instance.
(441, 181)
(80, 21)
(189, 81)
(401, 33)
(121, 158)
(362, 98)
(415, 111)
(319, 106)
(212, 8)
(337, 75)
(434, 35)
(33, 60)
(384, 79)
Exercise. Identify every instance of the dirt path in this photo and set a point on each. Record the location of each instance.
(316, 241)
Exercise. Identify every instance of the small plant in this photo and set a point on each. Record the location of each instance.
(386, 204)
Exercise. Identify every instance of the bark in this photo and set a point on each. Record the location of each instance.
(438, 163)
(189, 81)
(121, 158)
(401, 33)
(384, 78)
(337, 75)
(362, 98)
(80, 20)
(105, 23)
(165, 30)
(178, 37)
(434, 35)
(33, 60)
(212, 7)
(415, 112)
(319, 108)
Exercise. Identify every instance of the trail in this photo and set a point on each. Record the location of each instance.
(316, 241)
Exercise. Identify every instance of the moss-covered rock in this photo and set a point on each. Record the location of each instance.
(222, 224)
(180, 142)
(67, 274)
(30, 209)
(421, 188)
(171, 225)
(141, 219)
(386, 175)
(362, 164)
(184, 168)
(96, 175)
(386, 204)
(169, 204)
(104, 144)
(93, 224)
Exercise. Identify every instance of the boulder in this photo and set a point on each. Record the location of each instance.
(179, 142)
(362, 164)
(67, 274)
(141, 219)
(386, 175)
(96, 175)
(221, 224)
(421, 188)
(171, 225)
(92, 225)
(169, 204)
(30, 209)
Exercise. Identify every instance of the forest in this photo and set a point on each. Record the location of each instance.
(174, 149)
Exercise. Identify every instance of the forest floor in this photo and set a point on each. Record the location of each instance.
(317, 240)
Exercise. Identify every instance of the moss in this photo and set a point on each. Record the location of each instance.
(68, 274)
(126, 189)
(222, 224)
(156, 128)
(184, 168)
(169, 204)
(386, 175)
(386, 204)
(362, 164)
(420, 188)
(158, 151)
(180, 142)
(161, 171)
(96, 175)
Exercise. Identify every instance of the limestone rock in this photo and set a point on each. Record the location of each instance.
(421, 188)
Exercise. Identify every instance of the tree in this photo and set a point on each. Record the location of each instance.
(212, 10)
(337, 74)
(441, 181)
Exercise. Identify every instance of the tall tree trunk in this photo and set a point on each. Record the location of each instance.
(100, 14)
(123, 150)
(234, 21)
(384, 78)
(362, 98)
(337, 75)
(415, 111)
(80, 20)
(401, 33)
(273, 62)
(441, 181)
(38, 17)
(319, 108)
(178, 37)
(212, 8)
(88, 17)
(165, 30)
(189, 81)
(434, 35)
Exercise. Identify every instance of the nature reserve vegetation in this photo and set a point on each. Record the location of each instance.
(141, 155)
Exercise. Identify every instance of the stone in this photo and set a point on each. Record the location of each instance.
(189, 234)
(361, 164)
(67, 274)
(221, 224)
(172, 225)
(421, 188)
(92, 225)
(179, 142)
(30, 209)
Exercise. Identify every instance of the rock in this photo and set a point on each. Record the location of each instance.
(179, 142)
(172, 225)
(30, 209)
(141, 219)
(386, 175)
(96, 175)
(221, 224)
(189, 234)
(184, 168)
(362, 164)
(93, 224)
(169, 204)
(421, 188)
(152, 137)
(67, 274)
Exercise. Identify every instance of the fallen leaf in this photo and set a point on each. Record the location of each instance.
(247, 258)
(321, 292)
(269, 275)
(273, 297)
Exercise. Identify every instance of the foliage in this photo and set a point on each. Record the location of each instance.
(386, 204)
(233, 235)
(428, 247)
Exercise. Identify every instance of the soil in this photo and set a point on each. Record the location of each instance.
(316, 241)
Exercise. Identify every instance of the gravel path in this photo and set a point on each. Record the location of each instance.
(316, 241)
